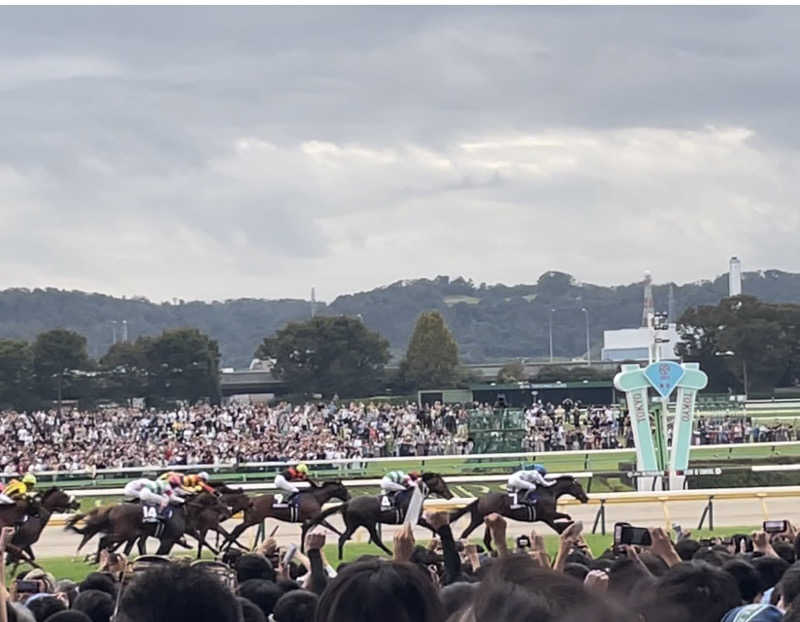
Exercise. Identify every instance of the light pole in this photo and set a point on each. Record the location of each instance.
(551, 334)
(588, 341)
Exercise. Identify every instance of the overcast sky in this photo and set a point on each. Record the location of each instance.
(254, 152)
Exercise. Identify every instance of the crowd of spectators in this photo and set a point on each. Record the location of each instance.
(743, 578)
(119, 437)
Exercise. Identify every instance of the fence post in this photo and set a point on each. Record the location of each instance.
(708, 511)
(601, 518)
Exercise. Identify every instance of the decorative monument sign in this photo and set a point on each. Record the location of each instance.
(651, 453)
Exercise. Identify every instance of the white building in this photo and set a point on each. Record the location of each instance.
(631, 344)
(735, 277)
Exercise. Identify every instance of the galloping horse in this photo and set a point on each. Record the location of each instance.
(53, 500)
(545, 509)
(308, 506)
(367, 511)
(122, 523)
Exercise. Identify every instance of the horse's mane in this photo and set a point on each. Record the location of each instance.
(570, 478)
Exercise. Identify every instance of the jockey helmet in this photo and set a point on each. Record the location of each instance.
(29, 479)
(302, 468)
(202, 475)
(536, 467)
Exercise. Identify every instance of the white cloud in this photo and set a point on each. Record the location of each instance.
(259, 152)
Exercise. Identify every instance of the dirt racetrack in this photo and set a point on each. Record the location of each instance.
(733, 513)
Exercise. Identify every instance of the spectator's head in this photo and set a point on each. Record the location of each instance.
(712, 555)
(686, 548)
(784, 551)
(250, 611)
(263, 594)
(69, 615)
(178, 593)
(624, 577)
(789, 586)
(516, 588)
(457, 596)
(99, 606)
(254, 566)
(702, 591)
(747, 578)
(770, 569)
(99, 581)
(42, 606)
(378, 590)
(295, 606)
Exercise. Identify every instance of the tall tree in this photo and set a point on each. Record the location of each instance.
(432, 356)
(328, 355)
(57, 354)
(181, 364)
(742, 343)
(125, 369)
(512, 372)
(16, 373)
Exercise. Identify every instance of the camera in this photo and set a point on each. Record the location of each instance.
(625, 533)
(29, 587)
(776, 526)
(523, 542)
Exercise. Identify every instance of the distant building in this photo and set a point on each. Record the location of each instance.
(735, 277)
(631, 344)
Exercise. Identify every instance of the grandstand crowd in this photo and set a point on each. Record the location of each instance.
(236, 433)
(745, 578)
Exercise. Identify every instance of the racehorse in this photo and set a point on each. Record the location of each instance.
(545, 509)
(308, 505)
(367, 511)
(53, 500)
(122, 523)
(13, 514)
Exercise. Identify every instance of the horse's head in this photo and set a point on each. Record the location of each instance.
(57, 500)
(237, 502)
(568, 485)
(437, 485)
(336, 490)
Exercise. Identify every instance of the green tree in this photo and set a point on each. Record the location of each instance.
(57, 356)
(16, 373)
(181, 364)
(512, 372)
(432, 356)
(328, 355)
(742, 343)
(125, 369)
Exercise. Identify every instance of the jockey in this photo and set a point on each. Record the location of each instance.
(397, 481)
(531, 476)
(153, 493)
(284, 479)
(17, 489)
(189, 483)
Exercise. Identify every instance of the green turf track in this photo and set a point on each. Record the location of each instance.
(606, 465)
(70, 568)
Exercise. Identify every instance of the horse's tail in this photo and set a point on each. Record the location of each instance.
(325, 514)
(96, 521)
(467, 508)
